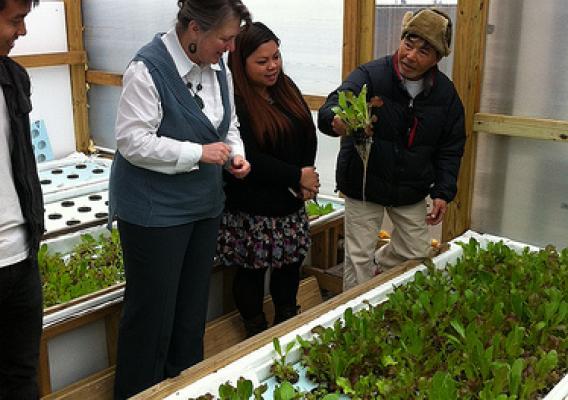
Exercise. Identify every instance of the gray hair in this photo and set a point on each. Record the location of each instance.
(209, 14)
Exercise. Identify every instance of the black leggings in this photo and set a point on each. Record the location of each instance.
(248, 288)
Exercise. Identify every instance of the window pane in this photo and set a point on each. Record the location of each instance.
(103, 102)
(115, 30)
(311, 35)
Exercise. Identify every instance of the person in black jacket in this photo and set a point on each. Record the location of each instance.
(265, 223)
(418, 141)
(21, 219)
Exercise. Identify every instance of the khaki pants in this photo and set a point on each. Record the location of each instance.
(410, 238)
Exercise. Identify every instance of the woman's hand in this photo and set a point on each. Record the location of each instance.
(307, 195)
(215, 153)
(309, 179)
(239, 167)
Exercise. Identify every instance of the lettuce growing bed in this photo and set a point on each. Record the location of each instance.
(63, 305)
(501, 374)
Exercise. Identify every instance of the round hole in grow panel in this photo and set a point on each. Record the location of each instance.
(45, 181)
(72, 176)
(41, 144)
(84, 209)
(57, 171)
(101, 215)
(72, 222)
(98, 171)
(80, 166)
(54, 216)
(95, 197)
(67, 203)
(35, 133)
(106, 203)
(41, 158)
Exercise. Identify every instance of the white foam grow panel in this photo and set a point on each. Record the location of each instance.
(256, 365)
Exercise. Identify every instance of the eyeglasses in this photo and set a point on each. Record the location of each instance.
(195, 94)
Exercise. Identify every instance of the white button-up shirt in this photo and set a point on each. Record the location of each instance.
(13, 235)
(140, 114)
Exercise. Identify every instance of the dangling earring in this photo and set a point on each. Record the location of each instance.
(192, 48)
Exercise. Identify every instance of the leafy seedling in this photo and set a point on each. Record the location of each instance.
(281, 370)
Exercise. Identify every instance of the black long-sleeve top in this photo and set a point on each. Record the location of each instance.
(275, 167)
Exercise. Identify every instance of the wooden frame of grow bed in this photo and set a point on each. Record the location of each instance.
(234, 353)
(220, 334)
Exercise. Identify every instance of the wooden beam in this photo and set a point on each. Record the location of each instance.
(314, 102)
(358, 33)
(98, 386)
(531, 128)
(52, 59)
(44, 373)
(74, 22)
(469, 50)
(367, 11)
(104, 78)
(112, 79)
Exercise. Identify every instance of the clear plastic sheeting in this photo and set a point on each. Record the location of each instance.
(311, 35)
(103, 103)
(115, 30)
(46, 30)
(51, 100)
(526, 59)
(520, 184)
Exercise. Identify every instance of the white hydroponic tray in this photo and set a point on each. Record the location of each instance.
(75, 192)
(63, 244)
(338, 209)
(65, 209)
(72, 211)
(256, 365)
(72, 172)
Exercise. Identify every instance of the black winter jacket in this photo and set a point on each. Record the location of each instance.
(16, 86)
(417, 145)
(275, 167)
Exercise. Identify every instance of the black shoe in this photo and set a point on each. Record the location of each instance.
(255, 325)
(282, 313)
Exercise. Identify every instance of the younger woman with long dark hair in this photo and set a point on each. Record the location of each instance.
(265, 224)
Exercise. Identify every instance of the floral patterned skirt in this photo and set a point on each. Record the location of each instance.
(255, 241)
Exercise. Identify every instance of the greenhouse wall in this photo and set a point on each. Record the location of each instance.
(520, 184)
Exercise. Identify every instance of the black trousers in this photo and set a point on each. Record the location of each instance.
(165, 301)
(248, 288)
(21, 313)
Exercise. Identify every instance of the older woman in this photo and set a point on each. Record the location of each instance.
(265, 224)
(176, 129)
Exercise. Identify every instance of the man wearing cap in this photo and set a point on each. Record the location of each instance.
(418, 141)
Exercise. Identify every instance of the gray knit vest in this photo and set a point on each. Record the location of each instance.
(147, 198)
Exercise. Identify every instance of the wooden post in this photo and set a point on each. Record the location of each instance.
(74, 21)
(358, 33)
(469, 50)
(112, 321)
(44, 375)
